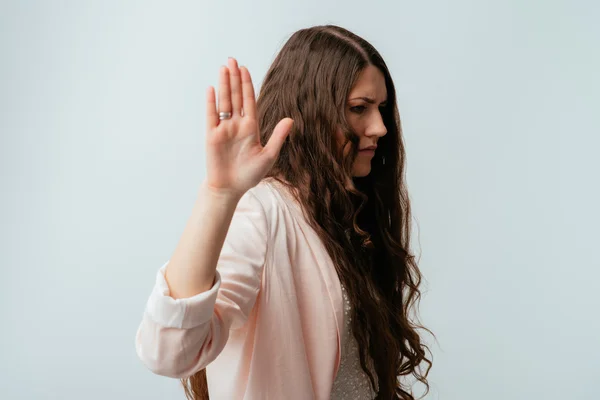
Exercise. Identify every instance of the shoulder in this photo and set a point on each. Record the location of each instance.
(271, 194)
(273, 198)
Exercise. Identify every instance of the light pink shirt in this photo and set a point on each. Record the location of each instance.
(269, 328)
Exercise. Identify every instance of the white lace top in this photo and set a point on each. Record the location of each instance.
(351, 382)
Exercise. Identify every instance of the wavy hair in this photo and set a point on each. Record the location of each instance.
(364, 226)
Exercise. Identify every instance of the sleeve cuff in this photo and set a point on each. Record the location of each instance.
(183, 313)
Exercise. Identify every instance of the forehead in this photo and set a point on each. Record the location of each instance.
(370, 83)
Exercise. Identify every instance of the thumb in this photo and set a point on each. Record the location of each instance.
(280, 133)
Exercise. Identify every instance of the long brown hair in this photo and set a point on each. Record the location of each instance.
(365, 227)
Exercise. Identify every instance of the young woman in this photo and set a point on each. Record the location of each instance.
(293, 278)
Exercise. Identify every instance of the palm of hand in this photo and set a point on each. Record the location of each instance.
(236, 160)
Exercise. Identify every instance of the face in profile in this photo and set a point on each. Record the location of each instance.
(364, 113)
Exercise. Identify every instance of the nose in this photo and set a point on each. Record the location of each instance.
(376, 126)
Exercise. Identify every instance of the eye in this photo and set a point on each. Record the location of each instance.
(358, 109)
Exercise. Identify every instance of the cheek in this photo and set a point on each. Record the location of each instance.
(354, 122)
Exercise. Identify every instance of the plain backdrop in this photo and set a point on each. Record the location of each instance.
(102, 151)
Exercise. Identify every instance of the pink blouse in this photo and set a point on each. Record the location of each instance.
(270, 327)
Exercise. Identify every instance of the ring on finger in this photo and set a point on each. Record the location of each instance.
(224, 115)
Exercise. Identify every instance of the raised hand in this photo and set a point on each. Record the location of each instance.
(236, 161)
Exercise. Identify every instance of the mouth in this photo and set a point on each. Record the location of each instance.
(367, 151)
(370, 148)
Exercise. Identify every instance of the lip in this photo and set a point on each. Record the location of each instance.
(368, 152)
(370, 148)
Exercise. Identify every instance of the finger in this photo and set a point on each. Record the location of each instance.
(249, 102)
(280, 133)
(212, 117)
(224, 90)
(236, 86)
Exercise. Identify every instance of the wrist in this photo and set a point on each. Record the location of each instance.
(219, 195)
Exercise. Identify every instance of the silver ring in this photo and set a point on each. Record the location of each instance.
(224, 115)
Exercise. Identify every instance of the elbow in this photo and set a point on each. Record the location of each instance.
(161, 351)
(159, 358)
(171, 352)
(164, 366)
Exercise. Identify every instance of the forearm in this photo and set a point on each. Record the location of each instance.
(191, 269)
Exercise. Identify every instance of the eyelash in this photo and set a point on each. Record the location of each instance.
(363, 108)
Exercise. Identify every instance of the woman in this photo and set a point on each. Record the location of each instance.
(293, 277)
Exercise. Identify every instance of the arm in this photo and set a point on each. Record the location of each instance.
(179, 336)
(191, 269)
(211, 282)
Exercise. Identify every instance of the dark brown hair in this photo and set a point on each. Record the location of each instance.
(365, 227)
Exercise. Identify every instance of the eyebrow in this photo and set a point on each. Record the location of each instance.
(368, 100)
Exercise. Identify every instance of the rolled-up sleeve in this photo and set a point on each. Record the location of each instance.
(178, 337)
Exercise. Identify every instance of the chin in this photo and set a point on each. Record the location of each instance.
(361, 172)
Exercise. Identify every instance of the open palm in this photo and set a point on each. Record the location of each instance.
(236, 160)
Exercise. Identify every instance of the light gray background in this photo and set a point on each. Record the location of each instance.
(102, 116)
